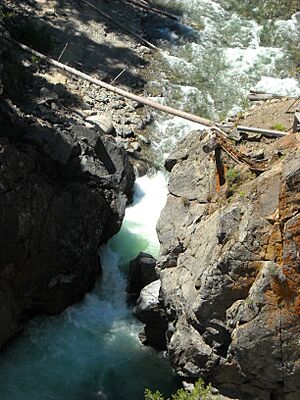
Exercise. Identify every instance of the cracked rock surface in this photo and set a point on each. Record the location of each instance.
(63, 192)
(229, 272)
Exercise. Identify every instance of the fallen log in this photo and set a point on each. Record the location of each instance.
(262, 96)
(143, 100)
(130, 32)
(117, 90)
(149, 8)
(265, 132)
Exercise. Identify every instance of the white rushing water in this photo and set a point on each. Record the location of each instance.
(210, 70)
(91, 351)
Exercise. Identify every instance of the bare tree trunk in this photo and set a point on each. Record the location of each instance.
(119, 91)
(150, 8)
(146, 42)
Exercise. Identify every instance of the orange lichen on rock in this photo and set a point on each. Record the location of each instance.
(284, 244)
(274, 248)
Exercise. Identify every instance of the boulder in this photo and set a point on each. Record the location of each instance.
(148, 310)
(103, 122)
(140, 167)
(141, 272)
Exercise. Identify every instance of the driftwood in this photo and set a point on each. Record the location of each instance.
(149, 8)
(265, 132)
(262, 96)
(237, 155)
(210, 146)
(62, 52)
(288, 110)
(130, 32)
(117, 90)
(118, 76)
(221, 142)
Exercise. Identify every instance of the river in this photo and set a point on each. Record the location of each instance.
(208, 64)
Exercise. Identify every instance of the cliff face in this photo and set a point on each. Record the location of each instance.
(63, 192)
(229, 273)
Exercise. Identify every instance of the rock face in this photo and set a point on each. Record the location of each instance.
(62, 194)
(229, 273)
(53, 219)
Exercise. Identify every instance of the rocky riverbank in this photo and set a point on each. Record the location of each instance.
(65, 175)
(223, 299)
(227, 293)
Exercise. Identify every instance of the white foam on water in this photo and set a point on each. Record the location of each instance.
(242, 61)
(89, 349)
(168, 131)
(284, 87)
(149, 199)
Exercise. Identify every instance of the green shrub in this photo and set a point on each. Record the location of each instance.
(153, 396)
(232, 175)
(200, 392)
(279, 127)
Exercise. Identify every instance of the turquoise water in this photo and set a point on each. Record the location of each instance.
(91, 351)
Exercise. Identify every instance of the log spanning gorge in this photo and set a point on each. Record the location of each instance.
(209, 60)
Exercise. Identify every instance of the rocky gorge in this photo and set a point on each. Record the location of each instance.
(221, 300)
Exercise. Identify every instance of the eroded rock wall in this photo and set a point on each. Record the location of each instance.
(62, 194)
(229, 274)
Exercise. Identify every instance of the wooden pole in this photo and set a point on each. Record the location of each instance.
(265, 132)
(63, 50)
(146, 42)
(151, 9)
(115, 89)
(144, 100)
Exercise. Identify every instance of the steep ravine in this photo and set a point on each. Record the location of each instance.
(219, 262)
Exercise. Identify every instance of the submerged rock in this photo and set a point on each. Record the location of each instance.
(229, 273)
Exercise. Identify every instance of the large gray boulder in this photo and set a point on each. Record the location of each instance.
(149, 311)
